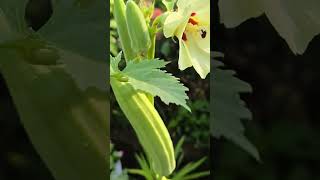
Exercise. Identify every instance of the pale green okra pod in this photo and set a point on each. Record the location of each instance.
(137, 28)
(120, 17)
(148, 125)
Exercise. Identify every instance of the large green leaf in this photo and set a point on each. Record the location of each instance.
(80, 26)
(295, 20)
(12, 24)
(147, 76)
(59, 86)
(228, 108)
(67, 126)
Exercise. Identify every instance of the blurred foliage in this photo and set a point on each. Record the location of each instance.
(116, 170)
(228, 109)
(185, 172)
(113, 32)
(194, 126)
(63, 110)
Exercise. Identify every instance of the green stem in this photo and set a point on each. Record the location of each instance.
(151, 52)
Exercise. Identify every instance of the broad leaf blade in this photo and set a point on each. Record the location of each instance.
(67, 126)
(56, 95)
(79, 26)
(12, 21)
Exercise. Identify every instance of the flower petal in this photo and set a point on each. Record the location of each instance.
(200, 58)
(203, 14)
(203, 38)
(172, 23)
(184, 56)
(193, 5)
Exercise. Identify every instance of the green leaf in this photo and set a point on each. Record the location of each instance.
(295, 20)
(169, 4)
(66, 125)
(146, 75)
(114, 63)
(79, 26)
(12, 22)
(59, 86)
(185, 172)
(228, 108)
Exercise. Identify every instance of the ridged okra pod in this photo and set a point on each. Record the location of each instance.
(120, 17)
(148, 125)
(137, 28)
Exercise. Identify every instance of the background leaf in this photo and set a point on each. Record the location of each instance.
(59, 86)
(296, 21)
(66, 125)
(169, 4)
(79, 26)
(228, 108)
(12, 22)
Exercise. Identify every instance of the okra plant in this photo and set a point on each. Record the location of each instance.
(143, 77)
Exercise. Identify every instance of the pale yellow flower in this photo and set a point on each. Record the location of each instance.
(191, 25)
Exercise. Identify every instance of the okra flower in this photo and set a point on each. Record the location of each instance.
(191, 25)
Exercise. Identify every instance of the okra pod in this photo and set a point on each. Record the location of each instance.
(148, 125)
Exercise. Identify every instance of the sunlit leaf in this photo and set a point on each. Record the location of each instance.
(147, 76)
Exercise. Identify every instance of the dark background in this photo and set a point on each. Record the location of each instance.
(284, 104)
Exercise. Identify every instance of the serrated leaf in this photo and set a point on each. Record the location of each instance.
(146, 75)
(295, 20)
(228, 109)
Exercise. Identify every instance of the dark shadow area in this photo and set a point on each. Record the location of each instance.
(18, 158)
(285, 124)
